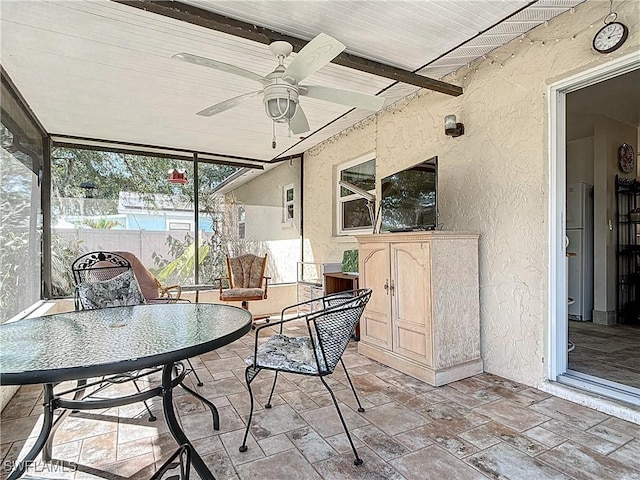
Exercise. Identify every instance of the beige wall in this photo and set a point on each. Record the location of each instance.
(594, 160)
(320, 173)
(262, 199)
(580, 165)
(493, 180)
(608, 136)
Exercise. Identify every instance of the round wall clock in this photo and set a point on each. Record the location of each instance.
(626, 158)
(611, 36)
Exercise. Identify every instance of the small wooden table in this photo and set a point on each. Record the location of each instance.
(339, 282)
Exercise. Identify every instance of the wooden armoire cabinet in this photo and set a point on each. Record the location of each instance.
(423, 317)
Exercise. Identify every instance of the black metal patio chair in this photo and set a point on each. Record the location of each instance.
(103, 280)
(180, 459)
(317, 354)
(107, 279)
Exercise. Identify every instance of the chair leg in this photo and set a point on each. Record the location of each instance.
(183, 457)
(358, 460)
(210, 406)
(152, 417)
(360, 409)
(249, 374)
(257, 318)
(273, 387)
(193, 370)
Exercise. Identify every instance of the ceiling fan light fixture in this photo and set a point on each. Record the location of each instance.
(280, 102)
(281, 88)
(280, 110)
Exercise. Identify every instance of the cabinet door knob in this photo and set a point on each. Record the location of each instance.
(392, 287)
(386, 286)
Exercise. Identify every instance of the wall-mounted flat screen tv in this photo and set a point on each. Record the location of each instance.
(410, 198)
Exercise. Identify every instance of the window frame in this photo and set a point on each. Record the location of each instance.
(242, 222)
(180, 226)
(340, 201)
(20, 120)
(286, 220)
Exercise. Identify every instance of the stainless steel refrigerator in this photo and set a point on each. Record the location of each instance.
(580, 250)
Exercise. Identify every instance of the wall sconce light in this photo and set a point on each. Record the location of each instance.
(452, 128)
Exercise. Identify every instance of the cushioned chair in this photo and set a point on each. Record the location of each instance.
(316, 354)
(246, 281)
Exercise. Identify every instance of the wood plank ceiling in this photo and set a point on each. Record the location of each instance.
(103, 70)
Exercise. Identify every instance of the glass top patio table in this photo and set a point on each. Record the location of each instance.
(93, 343)
(90, 343)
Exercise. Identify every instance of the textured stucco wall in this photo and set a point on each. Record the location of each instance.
(320, 171)
(493, 180)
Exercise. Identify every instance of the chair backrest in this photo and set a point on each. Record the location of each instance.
(119, 291)
(147, 281)
(332, 327)
(105, 279)
(97, 266)
(246, 271)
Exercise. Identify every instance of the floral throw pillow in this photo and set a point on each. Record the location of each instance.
(118, 291)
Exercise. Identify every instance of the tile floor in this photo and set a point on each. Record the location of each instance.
(478, 428)
(606, 351)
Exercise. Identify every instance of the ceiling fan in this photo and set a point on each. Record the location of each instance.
(282, 89)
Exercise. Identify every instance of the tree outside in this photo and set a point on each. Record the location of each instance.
(20, 227)
(132, 193)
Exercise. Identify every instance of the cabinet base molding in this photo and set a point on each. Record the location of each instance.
(437, 377)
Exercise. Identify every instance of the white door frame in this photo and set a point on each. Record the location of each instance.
(557, 281)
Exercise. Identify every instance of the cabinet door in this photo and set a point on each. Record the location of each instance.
(411, 301)
(375, 325)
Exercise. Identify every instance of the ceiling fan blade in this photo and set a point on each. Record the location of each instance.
(313, 56)
(221, 66)
(227, 104)
(299, 123)
(343, 97)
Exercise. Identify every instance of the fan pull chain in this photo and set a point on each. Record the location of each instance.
(273, 140)
(289, 111)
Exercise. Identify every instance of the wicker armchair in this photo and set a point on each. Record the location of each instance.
(152, 289)
(316, 354)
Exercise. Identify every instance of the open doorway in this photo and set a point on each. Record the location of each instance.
(596, 333)
(603, 257)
